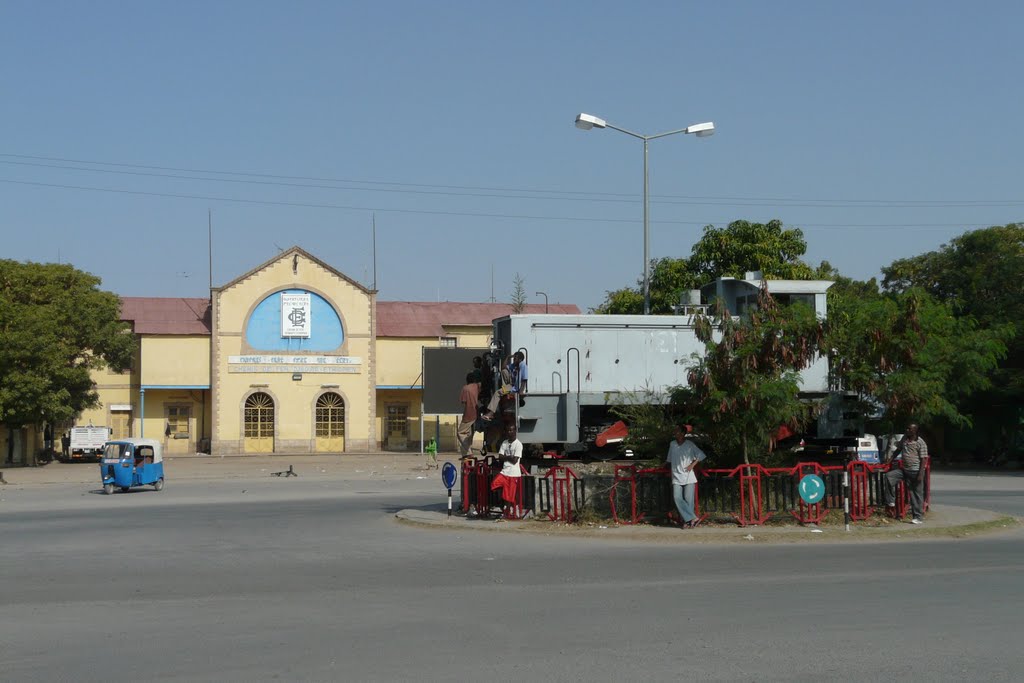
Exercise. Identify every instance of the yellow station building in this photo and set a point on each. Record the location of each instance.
(291, 357)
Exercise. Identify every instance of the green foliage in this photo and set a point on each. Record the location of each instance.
(518, 294)
(746, 383)
(980, 274)
(731, 251)
(911, 355)
(745, 246)
(56, 326)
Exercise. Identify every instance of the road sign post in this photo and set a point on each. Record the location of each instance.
(449, 475)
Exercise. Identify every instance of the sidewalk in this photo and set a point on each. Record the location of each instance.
(197, 467)
(942, 521)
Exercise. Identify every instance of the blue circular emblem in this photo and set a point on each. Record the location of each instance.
(812, 489)
(449, 474)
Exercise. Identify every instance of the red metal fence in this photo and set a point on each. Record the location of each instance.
(752, 494)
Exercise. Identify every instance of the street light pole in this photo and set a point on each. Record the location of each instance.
(544, 294)
(701, 130)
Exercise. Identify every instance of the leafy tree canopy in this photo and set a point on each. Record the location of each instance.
(911, 355)
(721, 252)
(980, 274)
(56, 325)
(746, 383)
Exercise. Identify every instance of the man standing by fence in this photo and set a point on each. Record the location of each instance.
(683, 456)
(915, 456)
(469, 397)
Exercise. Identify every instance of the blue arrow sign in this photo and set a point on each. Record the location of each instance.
(449, 475)
(812, 489)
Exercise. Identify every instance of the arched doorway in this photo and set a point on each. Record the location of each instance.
(330, 423)
(259, 423)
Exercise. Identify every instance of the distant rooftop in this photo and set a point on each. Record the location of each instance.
(177, 316)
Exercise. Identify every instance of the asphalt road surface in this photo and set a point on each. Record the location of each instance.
(305, 580)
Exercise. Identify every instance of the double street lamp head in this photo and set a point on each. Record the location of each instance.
(701, 130)
(589, 122)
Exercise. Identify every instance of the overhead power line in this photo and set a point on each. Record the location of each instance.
(472, 214)
(494, 192)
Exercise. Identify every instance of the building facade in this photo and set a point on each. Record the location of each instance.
(291, 357)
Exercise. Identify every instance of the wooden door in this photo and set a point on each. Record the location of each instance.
(397, 427)
(178, 431)
(120, 425)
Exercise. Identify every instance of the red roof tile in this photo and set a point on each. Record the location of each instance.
(173, 316)
(164, 315)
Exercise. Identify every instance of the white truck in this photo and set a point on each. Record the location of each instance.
(87, 442)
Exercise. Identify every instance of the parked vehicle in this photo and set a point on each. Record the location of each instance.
(867, 449)
(132, 462)
(87, 442)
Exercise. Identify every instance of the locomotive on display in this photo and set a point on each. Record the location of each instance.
(582, 366)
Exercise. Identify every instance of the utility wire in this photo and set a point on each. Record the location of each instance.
(175, 195)
(273, 179)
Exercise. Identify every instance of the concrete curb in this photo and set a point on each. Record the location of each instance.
(943, 521)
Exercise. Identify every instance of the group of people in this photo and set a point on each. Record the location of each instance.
(683, 456)
(490, 387)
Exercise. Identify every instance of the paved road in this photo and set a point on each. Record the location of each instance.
(310, 579)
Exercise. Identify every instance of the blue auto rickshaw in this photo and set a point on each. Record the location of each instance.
(132, 462)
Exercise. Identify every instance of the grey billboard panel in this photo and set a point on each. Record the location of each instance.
(444, 374)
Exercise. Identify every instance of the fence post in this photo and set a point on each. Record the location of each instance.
(860, 501)
(750, 495)
(561, 493)
(627, 474)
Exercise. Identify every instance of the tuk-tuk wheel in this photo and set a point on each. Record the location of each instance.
(159, 484)
(108, 489)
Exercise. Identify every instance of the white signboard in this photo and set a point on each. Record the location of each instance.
(281, 359)
(345, 365)
(296, 319)
(320, 369)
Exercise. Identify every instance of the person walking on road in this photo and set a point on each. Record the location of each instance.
(912, 474)
(683, 456)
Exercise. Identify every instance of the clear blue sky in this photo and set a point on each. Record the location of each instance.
(881, 129)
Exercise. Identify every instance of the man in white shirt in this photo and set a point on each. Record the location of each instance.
(683, 456)
(508, 480)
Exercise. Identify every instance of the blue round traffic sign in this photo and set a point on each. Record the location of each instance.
(449, 474)
(812, 489)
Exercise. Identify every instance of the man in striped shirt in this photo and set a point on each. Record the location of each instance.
(915, 455)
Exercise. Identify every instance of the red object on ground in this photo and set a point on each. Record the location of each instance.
(614, 434)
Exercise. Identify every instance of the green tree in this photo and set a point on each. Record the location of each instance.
(744, 246)
(56, 326)
(980, 274)
(740, 247)
(746, 384)
(518, 294)
(908, 353)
